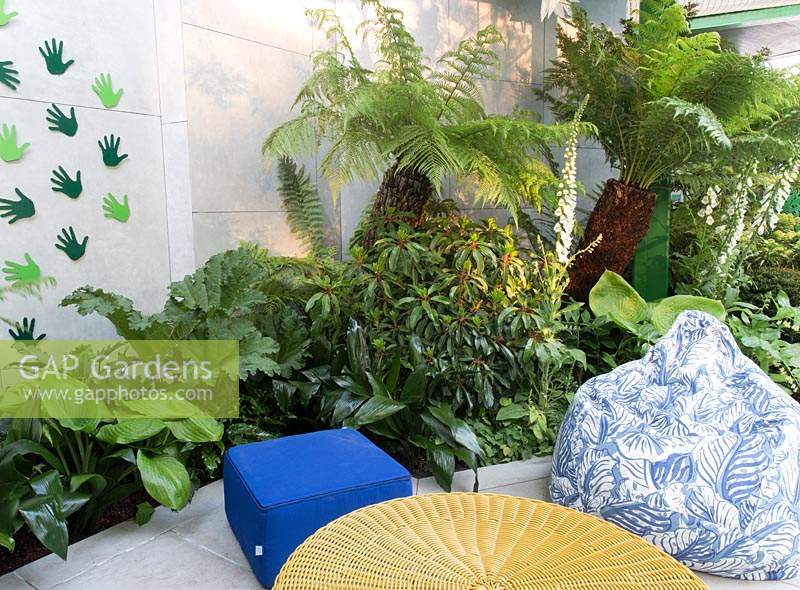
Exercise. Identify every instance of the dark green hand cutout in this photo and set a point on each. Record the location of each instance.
(69, 245)
(8, 75)
(104, 88)
(26, 330)
(110, 150)
(9, 150)
(60, 122)
(22, 274)
(116, 210)
(54, 57)
(62, 183)
(5, 18)
(16, 210)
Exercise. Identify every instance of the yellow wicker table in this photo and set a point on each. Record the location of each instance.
(478, 542)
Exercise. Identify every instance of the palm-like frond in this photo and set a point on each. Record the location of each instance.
(409, 117)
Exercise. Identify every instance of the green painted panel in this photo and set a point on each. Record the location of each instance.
(651, 263)
(730, 20)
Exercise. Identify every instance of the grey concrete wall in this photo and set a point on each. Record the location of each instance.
(205, 81)
(245, 60)
(138, 258)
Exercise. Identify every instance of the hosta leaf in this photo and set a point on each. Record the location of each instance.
(165, 479)
(129, 431)
(667, 310)
(612, 296)
(196, 429)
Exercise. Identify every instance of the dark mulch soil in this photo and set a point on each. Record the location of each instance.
(28, 547)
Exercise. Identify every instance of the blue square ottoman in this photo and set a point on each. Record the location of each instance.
(279, 492)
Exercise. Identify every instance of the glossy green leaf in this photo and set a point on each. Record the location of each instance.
(376, 408)
(357, 351)
(667, 310)
(511, 412)
(612, 296)
(7, 541)
(144, 512)
(196, 429)
(41, 515)
(415, 387)
(443, 464)
(165, 479)
(130, 431)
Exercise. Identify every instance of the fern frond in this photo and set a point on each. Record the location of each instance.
(399, 56)
(457, 84)
(302, 204)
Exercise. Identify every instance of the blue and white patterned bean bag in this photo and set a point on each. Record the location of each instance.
(693, 448)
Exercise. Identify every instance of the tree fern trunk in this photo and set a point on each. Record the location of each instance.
(405, 192)
(622, 215)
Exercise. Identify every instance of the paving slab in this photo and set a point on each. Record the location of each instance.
(196, 549)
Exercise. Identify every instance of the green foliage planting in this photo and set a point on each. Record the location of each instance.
(59, 472)
(660, 98)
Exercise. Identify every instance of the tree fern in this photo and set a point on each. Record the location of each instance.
(302, 204)
(406, 118)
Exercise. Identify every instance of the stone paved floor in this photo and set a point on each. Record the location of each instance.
(195, 548)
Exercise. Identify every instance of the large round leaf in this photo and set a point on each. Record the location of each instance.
(667, 310)
(612, 296)
(165, 479)
(129, 431)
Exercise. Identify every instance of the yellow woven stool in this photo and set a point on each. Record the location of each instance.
(478, 542)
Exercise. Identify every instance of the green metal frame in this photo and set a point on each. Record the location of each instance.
(651, 262)
(742, 18)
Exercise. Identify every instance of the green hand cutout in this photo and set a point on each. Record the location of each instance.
(5, 18)
(9, 151)
(54, 57)
(62, 183)
(26, 330)
(16, 210)
(104, 88)
(116, 210)
(60, 122)
(68, 243)
(110, 151)
(8, 75)
(22, 274)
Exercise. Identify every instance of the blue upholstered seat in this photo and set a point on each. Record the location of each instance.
(278, 492)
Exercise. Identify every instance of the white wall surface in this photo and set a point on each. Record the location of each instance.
(205, 81)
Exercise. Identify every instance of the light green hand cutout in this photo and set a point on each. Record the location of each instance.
(16, 210)
(69, 245)
(104, 88)
(62, 183)
(8, 75)
(116, 210)
(26, 330)
(22, 274)
(5, 18)
(60, 122)
(54, 57)
(110, 151)
(9, 150)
